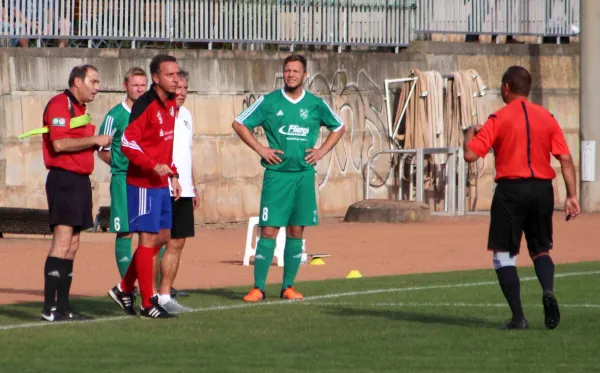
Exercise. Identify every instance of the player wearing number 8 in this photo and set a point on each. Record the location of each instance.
(291, 119)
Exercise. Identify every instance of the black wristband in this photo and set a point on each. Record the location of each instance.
(175, 176)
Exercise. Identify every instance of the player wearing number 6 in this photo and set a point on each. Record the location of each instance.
(292, 119)
(115, 122)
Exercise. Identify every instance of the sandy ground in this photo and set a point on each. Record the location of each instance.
(214, 257)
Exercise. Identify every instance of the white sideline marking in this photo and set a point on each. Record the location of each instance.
(459, 304)
(286, 302)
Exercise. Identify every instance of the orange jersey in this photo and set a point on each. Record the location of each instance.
(523, 135)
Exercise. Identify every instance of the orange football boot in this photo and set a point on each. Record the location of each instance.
(291, 294)
(254, 295)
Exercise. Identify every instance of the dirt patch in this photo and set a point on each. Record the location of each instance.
(214, 257)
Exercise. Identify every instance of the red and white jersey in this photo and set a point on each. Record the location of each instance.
(148, 140)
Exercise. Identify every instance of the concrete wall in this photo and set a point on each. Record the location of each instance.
(222, 83)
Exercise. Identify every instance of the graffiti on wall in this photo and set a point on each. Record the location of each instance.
(360, 103)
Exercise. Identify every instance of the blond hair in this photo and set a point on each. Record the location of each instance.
(134, 71)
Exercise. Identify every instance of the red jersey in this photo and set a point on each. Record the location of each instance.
(523, 135)
(57, 116)
(148, 139)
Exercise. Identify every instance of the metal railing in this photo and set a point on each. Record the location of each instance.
(315, 22)
(297, 22)
(447, 172)
(504, 17)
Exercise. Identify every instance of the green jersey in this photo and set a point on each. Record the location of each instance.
(290, 125)
(113, 125)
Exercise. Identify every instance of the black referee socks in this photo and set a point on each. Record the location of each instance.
(64, 287)
(51, 281)
(544, 270)
(57, 283)
(511, 287)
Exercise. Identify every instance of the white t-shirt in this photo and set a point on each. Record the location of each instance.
(182, 152)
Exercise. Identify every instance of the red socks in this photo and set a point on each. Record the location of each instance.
(141, 268)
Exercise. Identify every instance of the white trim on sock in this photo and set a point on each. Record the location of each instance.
(164, 298)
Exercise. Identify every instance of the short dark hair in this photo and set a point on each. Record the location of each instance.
(184, 74)
(80, 72)
(518, 80)
(159, 60)
(295, 58)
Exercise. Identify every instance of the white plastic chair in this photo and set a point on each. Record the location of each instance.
(252, 236)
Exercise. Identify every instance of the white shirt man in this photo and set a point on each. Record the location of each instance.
(182, 152)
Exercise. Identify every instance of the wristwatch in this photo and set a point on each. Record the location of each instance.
(175, 176)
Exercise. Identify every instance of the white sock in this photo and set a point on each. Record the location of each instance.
(164, 298)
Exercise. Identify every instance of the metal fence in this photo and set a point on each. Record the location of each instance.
(298, 22)
(508, 17)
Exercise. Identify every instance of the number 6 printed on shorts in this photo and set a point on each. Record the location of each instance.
(265, 214)
(117, 224)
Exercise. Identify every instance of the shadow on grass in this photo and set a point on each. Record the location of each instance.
(88, 306)
(39, 293)
(221, 293)
(397, 315)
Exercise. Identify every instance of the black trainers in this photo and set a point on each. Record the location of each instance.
(124, 300)
(54, 316)
(156, 311)
(551, 312)
(51, 315)
(515, 324)
(73, 315)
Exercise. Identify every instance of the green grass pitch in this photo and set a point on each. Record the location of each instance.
(441, 322)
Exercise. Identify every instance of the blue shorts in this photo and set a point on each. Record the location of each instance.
(149, 209)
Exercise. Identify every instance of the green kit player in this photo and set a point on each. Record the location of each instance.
(292, 119)
(115, 122)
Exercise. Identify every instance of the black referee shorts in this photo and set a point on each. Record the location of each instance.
(69, 196)
(522, 205)
(183, 217)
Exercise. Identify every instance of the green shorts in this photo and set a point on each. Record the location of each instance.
(288, 198)
(119, 219)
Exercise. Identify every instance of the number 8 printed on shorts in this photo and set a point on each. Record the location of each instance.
(117, 223)
(265, 214)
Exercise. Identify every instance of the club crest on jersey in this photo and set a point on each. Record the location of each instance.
(59, 122)
(304, 113)
(172, 111)
(293, 130)
(159, 117)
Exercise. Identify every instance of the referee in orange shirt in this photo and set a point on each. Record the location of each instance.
(523, 135)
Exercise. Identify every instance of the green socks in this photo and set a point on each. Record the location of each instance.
(265, 249)
(292, 255)
(123, 254)
(160, 256)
